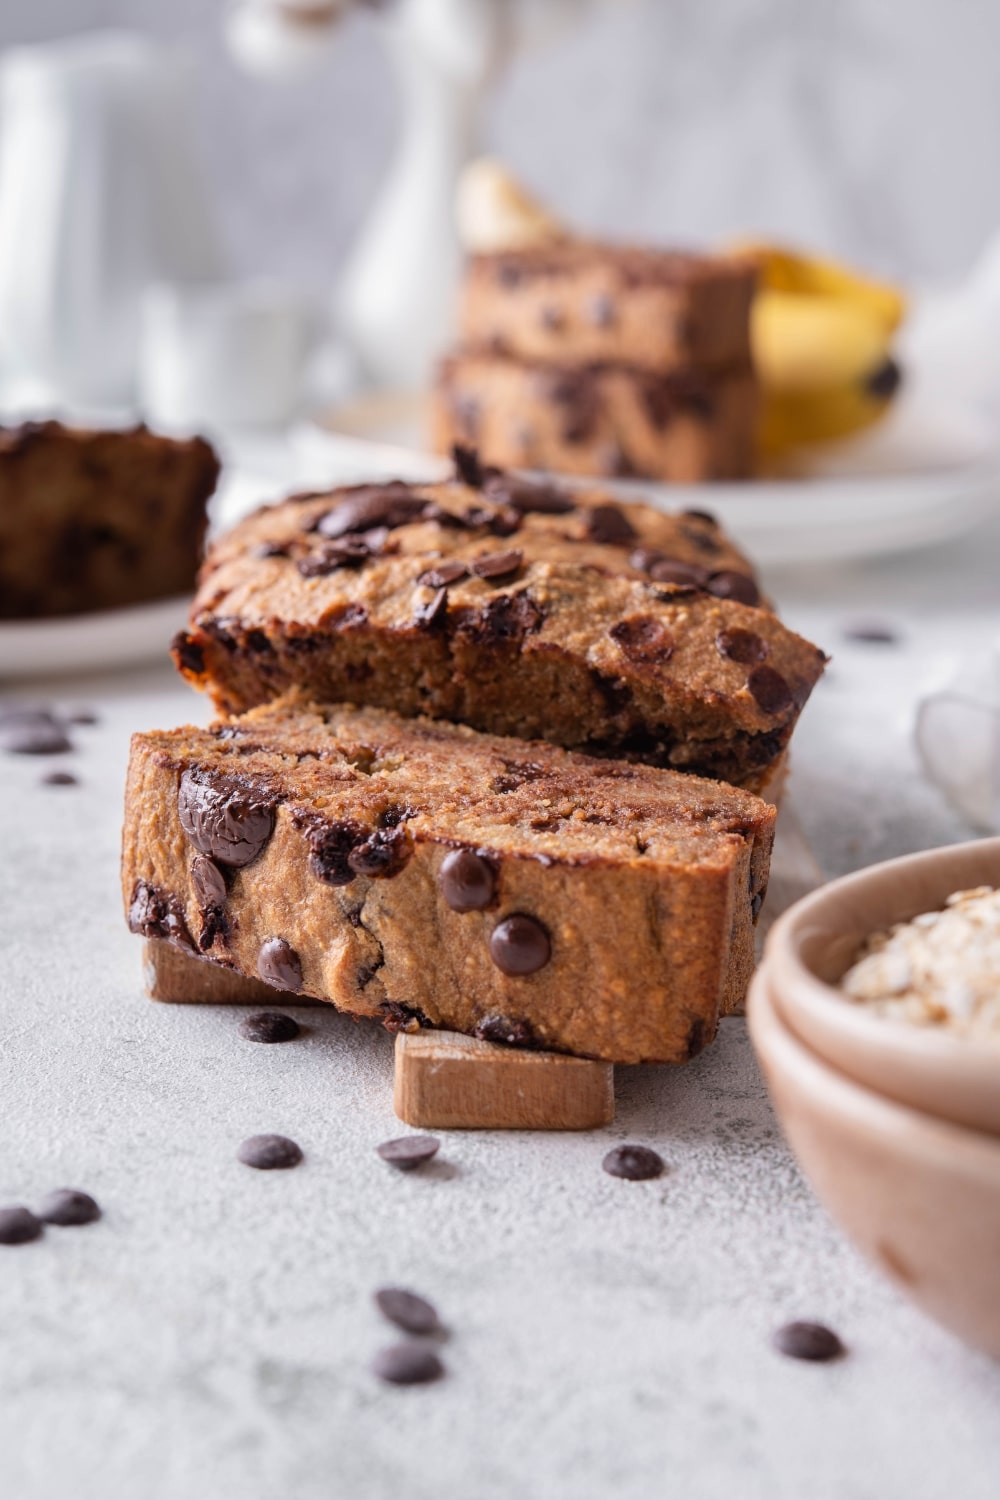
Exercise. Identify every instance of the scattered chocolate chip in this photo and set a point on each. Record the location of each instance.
(643, 639)
(434, 613)
(84, 716)
(269, 1026)
(60, 778)
(407, 1152)
(503, 1030)
(407, 1364)
(269, 1153)
(329, 845)
(527, 496)
(39, 736)
(208, 881)
(608, 524)
(741, 645)
(443, 574)
(520, 945)
(730, 585)
(769, 690)
(467, 881)
(222, 821)
(68, 1206)
(810, 1341)
(683, 575)
(407, 1310)
(18, 1225)
(467, 465)
(634, 1163)
(278, 964)
(390, 505)
(601, 310)
(382, 855)
(497, 564)
(154, 913)
(871, 632)
(507, 618)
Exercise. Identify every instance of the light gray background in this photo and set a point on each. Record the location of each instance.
(867, 126)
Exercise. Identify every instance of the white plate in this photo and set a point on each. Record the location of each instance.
(93, 642)
(920, 478)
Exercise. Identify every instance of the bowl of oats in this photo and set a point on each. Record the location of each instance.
(892, 975)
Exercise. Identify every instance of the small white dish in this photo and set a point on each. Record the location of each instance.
(92, 642)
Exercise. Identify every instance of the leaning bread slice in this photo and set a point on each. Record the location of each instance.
(517, 608)
(423, 874)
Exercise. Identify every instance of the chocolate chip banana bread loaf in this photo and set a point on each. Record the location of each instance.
(423, 874)
(574, 302)
(94, 520)
(516, 608)
(685, 427)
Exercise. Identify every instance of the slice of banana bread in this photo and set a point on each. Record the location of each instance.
(575, 302)
(686, 427)
(94, 520)
(423, 874)
(515, 607)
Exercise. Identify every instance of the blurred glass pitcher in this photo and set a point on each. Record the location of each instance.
(100, 195)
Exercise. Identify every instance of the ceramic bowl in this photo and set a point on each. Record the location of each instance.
(919, 1196)
(812, 944)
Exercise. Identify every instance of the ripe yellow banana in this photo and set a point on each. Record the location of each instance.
(809, 343)
(783, 270)
(792, 419)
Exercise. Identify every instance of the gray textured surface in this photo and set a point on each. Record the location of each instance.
(860, 125)
(211, 1336)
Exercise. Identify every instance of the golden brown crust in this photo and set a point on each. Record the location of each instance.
(605, 633)
(95, 520)
(645, 883)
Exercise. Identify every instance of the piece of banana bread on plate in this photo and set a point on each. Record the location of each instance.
(517, 608)
(93, 520)
(686, 427)
(423, 874)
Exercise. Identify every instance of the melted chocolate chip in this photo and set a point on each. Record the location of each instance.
(18, 1225)
(269, 1026)
(208, 881)
(329, 845)
(389, 505)
(643, 639)
(634, 1163)
(407, 1364)
(497, 564)
(68, 1206)
(188, 653)
(731, 585)
(399, 1017)
(527, 496)
(434, 613)
(223, 821)
(682, 575)
(503, 1030)
(466, 880)
(407, 1152)
(769, 690)
(154, 913)
(741, 645)
(507, 618)
(811, 1341)
(520, 945)
(443, 574)
(269, 1153)
(408, 1311)
(278, 964)
(382, 855)
(610, 525)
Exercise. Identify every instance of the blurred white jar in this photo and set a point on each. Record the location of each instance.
(225, 354)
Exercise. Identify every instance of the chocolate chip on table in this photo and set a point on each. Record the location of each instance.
(60, 778)
(443, 574)
(407, 1364)
(520, 945)
(769, 690)
(466, 880)
(222, 822)
(269, 1153)
(279, 964)
(812, 1341)
(743, 646)
(527, 495)
(68, 1206)
(634, 1163)
(871, 632)
(407, 1152)
(208, 881)
(38, 735)
(269, 1026)
(609, 525)
(497, 564)
(407, 1310)
(18, 1225)
(728, 584)
(85, 716)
